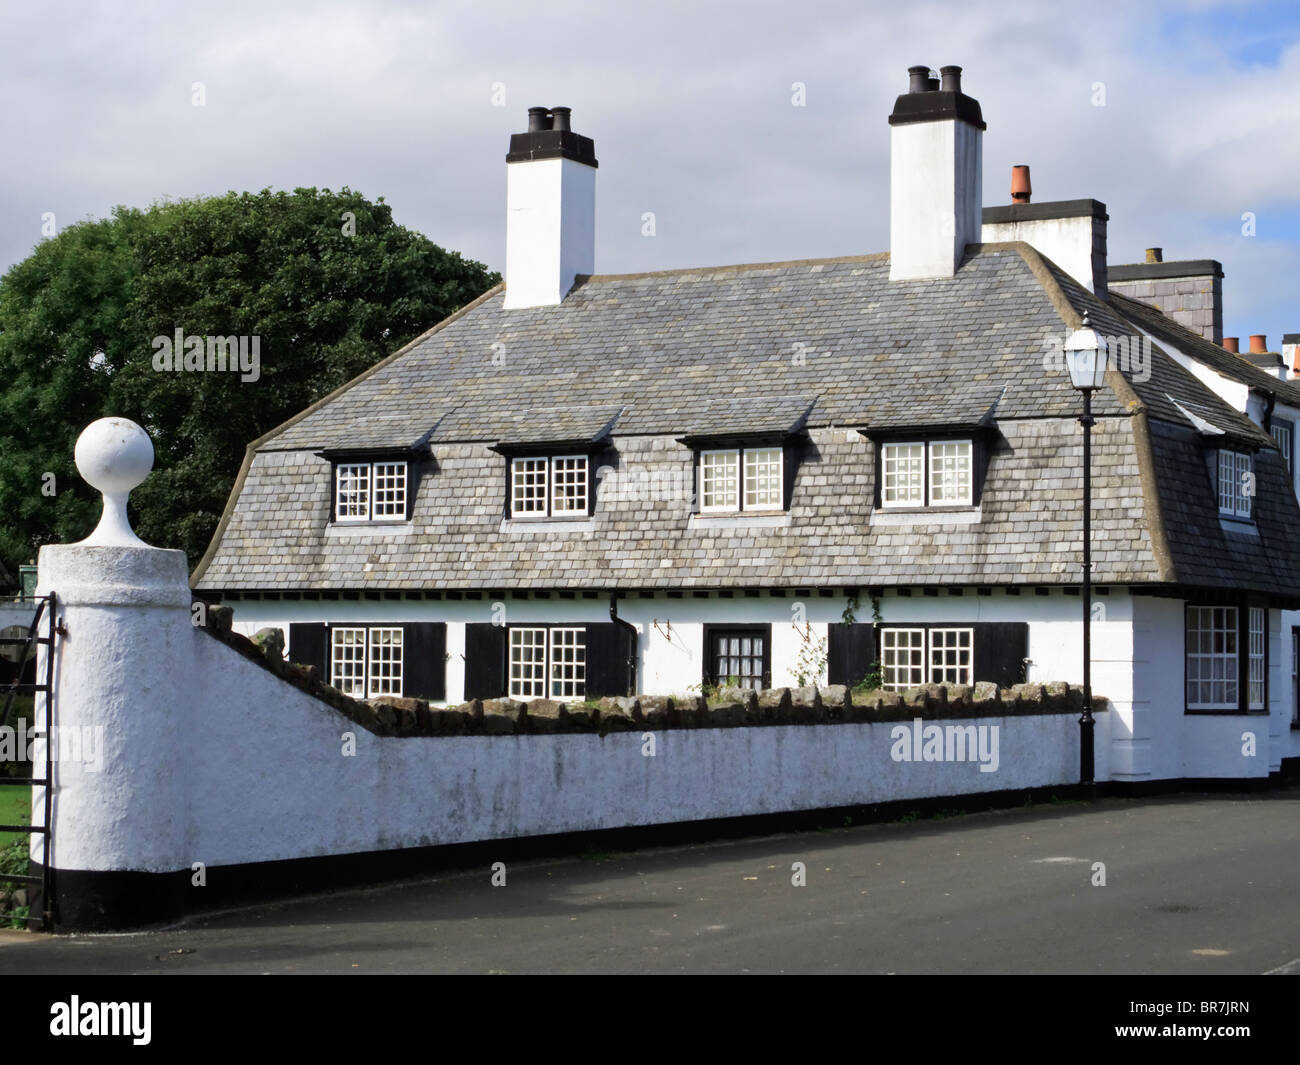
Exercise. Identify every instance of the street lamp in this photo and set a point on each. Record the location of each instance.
(1086, 357)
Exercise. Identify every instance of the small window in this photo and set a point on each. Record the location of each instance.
(1212, 658)
(911, 657)
(548, 662)
(1282, 436)
(546, 486)
(738, 658)
(366, 663)
(1236, 484)
(370, 491)
(742, 479)
(936, 473)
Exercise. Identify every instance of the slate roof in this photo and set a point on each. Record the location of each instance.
(827, 347)
(1232, 366)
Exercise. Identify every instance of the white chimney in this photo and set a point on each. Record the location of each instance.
(550, 209)
(1072, 233)
(936, 160)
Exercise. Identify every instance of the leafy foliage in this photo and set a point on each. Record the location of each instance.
(78, 317)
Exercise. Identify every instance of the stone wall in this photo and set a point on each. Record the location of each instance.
(729, 708)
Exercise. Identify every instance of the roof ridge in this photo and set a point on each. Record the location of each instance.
(583, 279)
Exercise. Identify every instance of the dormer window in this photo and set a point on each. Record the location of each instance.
(1236, 484)
(370, 491)
(927, 473)
(742, 479)
(549, 486)
(1283, 435)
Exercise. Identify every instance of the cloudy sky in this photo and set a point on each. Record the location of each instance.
(690, 106)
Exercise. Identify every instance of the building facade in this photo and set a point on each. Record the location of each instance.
(863, 470)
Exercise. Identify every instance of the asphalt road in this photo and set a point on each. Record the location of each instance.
(1193, 884)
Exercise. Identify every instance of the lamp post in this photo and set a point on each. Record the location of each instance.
(1086, 359)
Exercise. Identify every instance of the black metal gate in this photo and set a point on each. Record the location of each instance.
(43, 618)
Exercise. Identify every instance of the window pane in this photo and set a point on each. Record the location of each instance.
(903, 469)
(528, 486)
(527, 663)
(568, 663)
(1257, 641)
(737, 659)
(950, 473)
(348, 661)
(1245, 490)
(1282, 434)
(1212, 664)
(763, 487)
(385, 676)
(1227, 474)
(569, 475)
(902, 658)
(352, 492)
(719, 480)
(389, 490)
(950, 656)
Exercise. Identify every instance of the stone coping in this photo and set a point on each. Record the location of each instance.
(730, 708)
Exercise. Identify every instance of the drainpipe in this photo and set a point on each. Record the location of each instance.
(630, 629)
(1268, 413)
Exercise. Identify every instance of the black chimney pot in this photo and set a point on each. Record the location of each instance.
(916, 78)
(560, 117)
(539, 119)
(951, 78)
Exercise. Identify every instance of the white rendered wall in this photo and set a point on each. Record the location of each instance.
(1066, 241)
(935, 196)
(550, 229)
(671, 631)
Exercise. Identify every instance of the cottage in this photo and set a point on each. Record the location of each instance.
(838, 470)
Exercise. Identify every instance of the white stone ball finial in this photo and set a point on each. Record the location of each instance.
(114, 455)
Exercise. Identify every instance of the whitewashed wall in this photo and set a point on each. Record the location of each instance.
(210, 758)
(671, 631)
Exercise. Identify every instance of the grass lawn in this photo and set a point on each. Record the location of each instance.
(15, 809)
(16, 801)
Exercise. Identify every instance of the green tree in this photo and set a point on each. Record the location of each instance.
(326, 280)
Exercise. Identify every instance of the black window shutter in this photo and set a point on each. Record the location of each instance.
(609, 654)
(1001, 648)
(850, 652)
(424, 660)
(485, 660)
(309, 646)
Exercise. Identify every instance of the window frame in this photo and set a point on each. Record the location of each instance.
(551, 512)
(715, 631)
(1288, 452)
(371, 465)
(927, 664)
(577, 687)
(977, 462)
(369, 690)
(1241, 462)
(740, 453)
(1250, 670)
